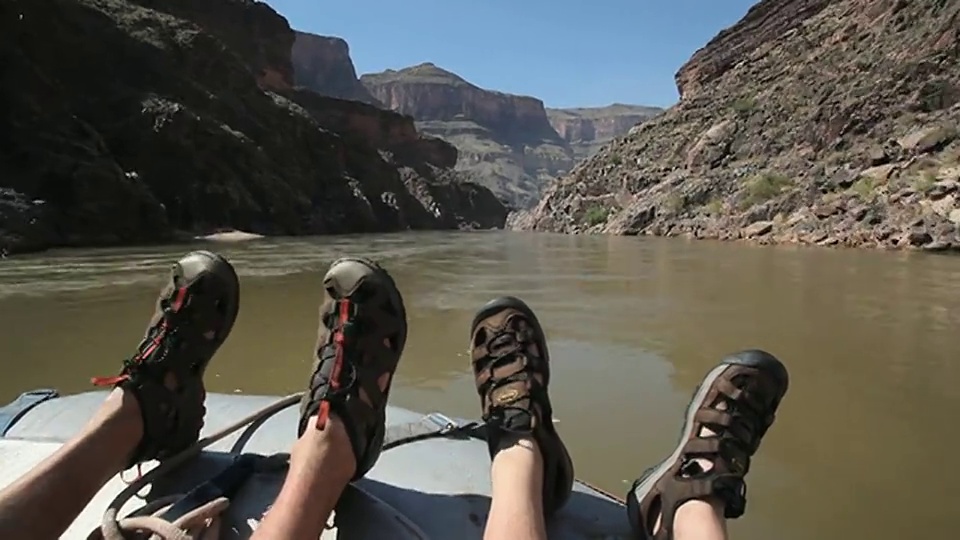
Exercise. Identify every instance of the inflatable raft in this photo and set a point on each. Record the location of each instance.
(432, 480)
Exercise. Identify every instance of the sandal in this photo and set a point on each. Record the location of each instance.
(363, 328)
(737, 402)
(512, 370)
(194, 315)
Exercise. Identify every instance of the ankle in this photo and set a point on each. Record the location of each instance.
(120, 412)
(518, 451)
(332, 442)
(700, 518)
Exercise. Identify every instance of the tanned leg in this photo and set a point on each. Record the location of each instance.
(45, 501)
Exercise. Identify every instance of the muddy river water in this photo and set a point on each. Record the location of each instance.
(863, 445)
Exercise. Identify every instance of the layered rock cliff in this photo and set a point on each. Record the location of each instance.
(816, 122)
(505, 141)
(587, 129)
(131, 120)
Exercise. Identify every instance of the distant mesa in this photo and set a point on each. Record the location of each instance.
(510, 144)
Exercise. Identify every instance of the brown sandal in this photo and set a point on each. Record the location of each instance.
(737, 402)
(512, 369)
(194, 315)
(363, 328)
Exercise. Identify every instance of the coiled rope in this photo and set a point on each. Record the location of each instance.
(203, 522)
(198, 524)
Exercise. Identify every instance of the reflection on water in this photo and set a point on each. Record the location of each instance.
(870, 338)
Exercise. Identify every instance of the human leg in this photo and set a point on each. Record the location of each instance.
(690, 494)
(362, 333)
(155, 412)
(532, 472)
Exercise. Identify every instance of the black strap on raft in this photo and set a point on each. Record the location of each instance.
(225, 484)
(431, 426)
(16, 409)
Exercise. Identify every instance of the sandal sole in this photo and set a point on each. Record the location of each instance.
(376, 270)
(505, 302)
(216, 264)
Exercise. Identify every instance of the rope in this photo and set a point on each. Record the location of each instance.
(204, 521)
(198, 524)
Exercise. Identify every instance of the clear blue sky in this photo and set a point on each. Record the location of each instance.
(569, 53)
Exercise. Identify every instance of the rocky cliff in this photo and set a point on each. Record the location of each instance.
(588, 129)
(385, 144)
(505, 141)
(815, 122)
(133, 120)
(323, 65)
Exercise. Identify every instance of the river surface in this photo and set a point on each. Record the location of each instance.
(861, 447)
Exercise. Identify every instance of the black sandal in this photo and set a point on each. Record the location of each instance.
(363, 328)
(512, 369)
(194, 315)
(737, 402)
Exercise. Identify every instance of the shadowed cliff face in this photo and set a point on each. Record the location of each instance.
(389, 142)
(587, 129)
(323, 65)
(335, 97)
(128, 124)
(829, 123)
(250, 29)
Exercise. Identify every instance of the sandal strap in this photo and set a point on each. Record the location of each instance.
(512, 372)
(378, 359)
(514, 368)
(745, 418)
(730, 488)
(729, 451)
(164, 416)
(163, 411)
(729, 419)
(730, 426)
(366, 354)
